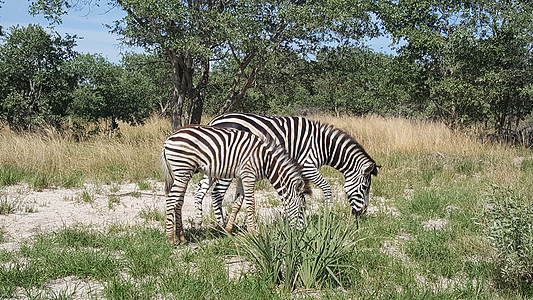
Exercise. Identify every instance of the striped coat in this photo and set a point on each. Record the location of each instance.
(312, 145)
(223, 153)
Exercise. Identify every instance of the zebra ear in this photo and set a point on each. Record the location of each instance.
(371, 169)
(375, 171)
(300, 185)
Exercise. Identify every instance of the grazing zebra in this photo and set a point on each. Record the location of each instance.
(312, 145)
(224, 153)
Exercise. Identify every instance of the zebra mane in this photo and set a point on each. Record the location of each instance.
(329, 129)
(282, 155)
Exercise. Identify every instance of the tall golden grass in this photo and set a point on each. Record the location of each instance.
(387, 135)
(134, 153)
(383, 138)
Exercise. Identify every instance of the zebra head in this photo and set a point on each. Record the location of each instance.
(296, 202)
(357, 187)
(293, 198)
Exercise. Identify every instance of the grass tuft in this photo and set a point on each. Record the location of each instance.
(309, 258)
(510, 226)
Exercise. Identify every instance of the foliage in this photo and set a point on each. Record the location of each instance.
(353, 80)
(510, 229)
(34, 84)
(459, 62)
(156, 76)
(475, 57)
(192, 34)
(107, 91)
(309, 258)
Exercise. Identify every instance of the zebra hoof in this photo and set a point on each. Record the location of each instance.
(197, 224)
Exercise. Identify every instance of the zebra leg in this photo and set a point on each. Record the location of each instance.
(199, 194)
(315, 177)
(174, 203)
(221, 186)
(234, 210)
(248, 187)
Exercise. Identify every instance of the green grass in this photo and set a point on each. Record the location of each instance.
(387, 256)
(86, 196)
(112, 201)
(144, 186)
(129, 263)
(152, 214)
(10, 175)
(7, 206)
(2, 238)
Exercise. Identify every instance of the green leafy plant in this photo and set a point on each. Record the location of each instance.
(510, 230)
(310, 258)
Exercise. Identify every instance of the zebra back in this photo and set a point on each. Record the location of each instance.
(229, 153)
(294, 134)
(313, 145)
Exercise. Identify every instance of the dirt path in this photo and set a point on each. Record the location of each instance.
(98, 206)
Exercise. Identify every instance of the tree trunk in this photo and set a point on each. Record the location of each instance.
(184, 93)
(198, 103)
(176, 108)
(236, 94)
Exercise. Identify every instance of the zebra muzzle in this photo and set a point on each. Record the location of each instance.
(359, 212)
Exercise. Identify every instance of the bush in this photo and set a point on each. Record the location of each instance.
(510, 228)
(309, 258)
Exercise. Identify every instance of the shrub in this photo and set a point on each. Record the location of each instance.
(309, 258)
(510, 231)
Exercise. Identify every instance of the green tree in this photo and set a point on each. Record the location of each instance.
(475, 56)
(34, 86)
(347, 79)
(109, 92)
(358, 81)
(157, 72)
(192, 34)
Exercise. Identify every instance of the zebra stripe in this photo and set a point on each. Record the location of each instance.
(223, 153)
(312, 145)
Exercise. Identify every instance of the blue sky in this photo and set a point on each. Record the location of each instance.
(85, 24)
(90, 26)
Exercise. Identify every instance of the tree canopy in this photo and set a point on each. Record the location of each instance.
(460, 62)
(193, 34)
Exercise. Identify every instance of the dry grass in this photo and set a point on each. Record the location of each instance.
(55, 159)
(131, 154)
(388, 135)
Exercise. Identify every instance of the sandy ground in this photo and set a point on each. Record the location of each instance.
(103, 205)
(51, 209)
(94, 205)
(99, 206)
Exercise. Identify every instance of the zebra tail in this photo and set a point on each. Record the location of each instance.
(169, 178)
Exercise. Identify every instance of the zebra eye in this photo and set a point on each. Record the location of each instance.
(300, 185)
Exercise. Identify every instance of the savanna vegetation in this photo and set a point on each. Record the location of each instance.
(450, 217)
(451, 209)
(461, 63)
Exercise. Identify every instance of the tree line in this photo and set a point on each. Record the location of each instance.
(458, 62)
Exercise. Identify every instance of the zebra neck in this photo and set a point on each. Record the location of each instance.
(340, 151)
(275, 173)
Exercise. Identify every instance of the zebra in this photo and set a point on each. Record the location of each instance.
(311, 144)
(225, 153)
